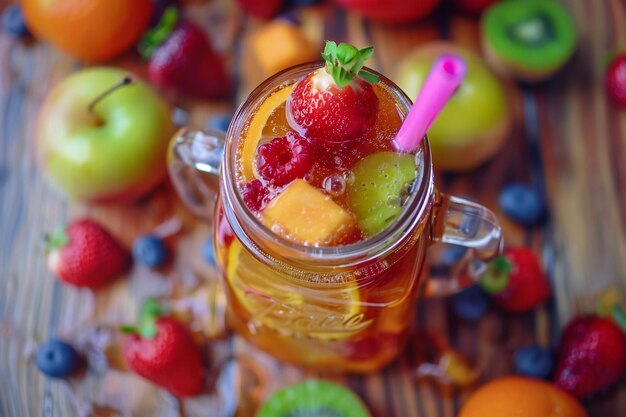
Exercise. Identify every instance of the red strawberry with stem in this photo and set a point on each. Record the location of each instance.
(592, 355)
(85, 255)
(615, 80)
(516, 280)
(336, 103)
(182, 59)
(163, 351)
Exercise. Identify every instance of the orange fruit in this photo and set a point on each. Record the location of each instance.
(521, 397)
(90, 30)
(254, 133)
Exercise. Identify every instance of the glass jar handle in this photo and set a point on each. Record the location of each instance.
(193, 160)
(461, 222)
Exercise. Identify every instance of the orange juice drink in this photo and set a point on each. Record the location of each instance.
(328, 180)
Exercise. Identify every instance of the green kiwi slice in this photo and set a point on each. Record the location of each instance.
(534, 37)
(313, 398)
(381, 183)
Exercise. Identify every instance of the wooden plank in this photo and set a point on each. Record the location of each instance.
(584, 155)
(582, 152)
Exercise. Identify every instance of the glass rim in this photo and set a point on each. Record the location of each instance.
(245, 223)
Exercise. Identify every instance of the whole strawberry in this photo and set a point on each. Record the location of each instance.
(516, 281)
(182, 59)
(85, 255)
(163, 351)
(615, 80)
(592, 355)
(336, 103)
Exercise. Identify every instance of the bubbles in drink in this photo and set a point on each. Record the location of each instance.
(348, 176)
(334, 185)
(394, 201)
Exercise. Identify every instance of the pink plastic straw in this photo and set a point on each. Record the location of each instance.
(444, 78)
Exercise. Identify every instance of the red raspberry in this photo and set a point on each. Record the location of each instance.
(254, 194)
(284, 159)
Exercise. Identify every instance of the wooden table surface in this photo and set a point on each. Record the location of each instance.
(567, 138)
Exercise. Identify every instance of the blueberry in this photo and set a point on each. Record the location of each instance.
(523, 203)
(13, 21)
(533, 361)
(471, 303)
(208, 252)
(57, 359)
(219, 122)
(150, 251)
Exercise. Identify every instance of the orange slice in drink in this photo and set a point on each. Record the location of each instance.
(254, 133)
(272, 300)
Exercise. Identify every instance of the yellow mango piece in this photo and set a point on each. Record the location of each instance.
(279, 45)
(306, 215)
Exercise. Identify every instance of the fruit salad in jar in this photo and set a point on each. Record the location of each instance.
(315, 166)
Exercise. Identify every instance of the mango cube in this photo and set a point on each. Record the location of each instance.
(305, 214)
(279, 45)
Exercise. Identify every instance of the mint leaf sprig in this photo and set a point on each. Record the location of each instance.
(344, 62)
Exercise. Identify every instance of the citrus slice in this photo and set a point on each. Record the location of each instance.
(272, 300)
(254, 133)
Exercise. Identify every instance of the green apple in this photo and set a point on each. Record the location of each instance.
(475, 122)
(115, 151)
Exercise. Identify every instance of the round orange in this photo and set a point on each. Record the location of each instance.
(90, 30)
(521, 397)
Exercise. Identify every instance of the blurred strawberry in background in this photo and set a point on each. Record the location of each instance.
(615, 80)
(516, 280)
(182, 59)
(391, 11)
(592, 355)
(84, 254)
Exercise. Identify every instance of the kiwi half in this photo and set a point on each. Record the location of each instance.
(313, 398)
(527, 40)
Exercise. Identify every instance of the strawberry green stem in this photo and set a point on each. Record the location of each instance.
(56, 240)
(128, 329)
(159, 34)
(496, 278)
(345, 62)
(150, 313)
